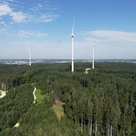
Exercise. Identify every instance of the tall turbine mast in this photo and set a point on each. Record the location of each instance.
(29, 52)
(72, 37)
(93, 58)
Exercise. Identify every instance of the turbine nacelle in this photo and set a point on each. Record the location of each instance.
(72, 35)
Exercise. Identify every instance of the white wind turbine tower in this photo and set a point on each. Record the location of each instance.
(72, 37)
(29, 53)
(93, 57)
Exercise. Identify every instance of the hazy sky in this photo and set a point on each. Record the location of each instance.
(110, 25)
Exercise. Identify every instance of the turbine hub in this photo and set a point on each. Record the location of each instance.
(72, 35)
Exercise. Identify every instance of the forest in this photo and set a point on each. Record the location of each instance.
(100, 103)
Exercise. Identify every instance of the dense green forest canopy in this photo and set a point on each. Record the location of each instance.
(100, 103)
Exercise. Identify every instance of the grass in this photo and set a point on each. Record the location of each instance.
(39, 96)
(58, 109)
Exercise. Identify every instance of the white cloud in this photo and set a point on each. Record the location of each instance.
(36, 14)
(4, 9)
(109, 37)
(18, 17)
(109, 44)
(35, 34)
(49, 17)
(41, 18)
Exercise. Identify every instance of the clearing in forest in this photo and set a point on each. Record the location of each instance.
(39, 96)
(58, 109)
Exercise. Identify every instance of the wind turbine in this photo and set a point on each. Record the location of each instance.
(72, 47)
(29, 53)
(72, 37)
(93, 57)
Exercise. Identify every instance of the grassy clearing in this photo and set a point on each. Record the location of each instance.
(39, 96)
(58, 109)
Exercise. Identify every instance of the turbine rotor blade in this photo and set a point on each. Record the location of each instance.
(73, 28)
(61, 40)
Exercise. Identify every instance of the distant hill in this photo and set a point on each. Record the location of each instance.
(25, 61)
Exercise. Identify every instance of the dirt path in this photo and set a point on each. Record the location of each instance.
(34, 95)
(3, 94)
(16, 125)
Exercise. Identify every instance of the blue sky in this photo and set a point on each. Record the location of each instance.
(110, 25)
